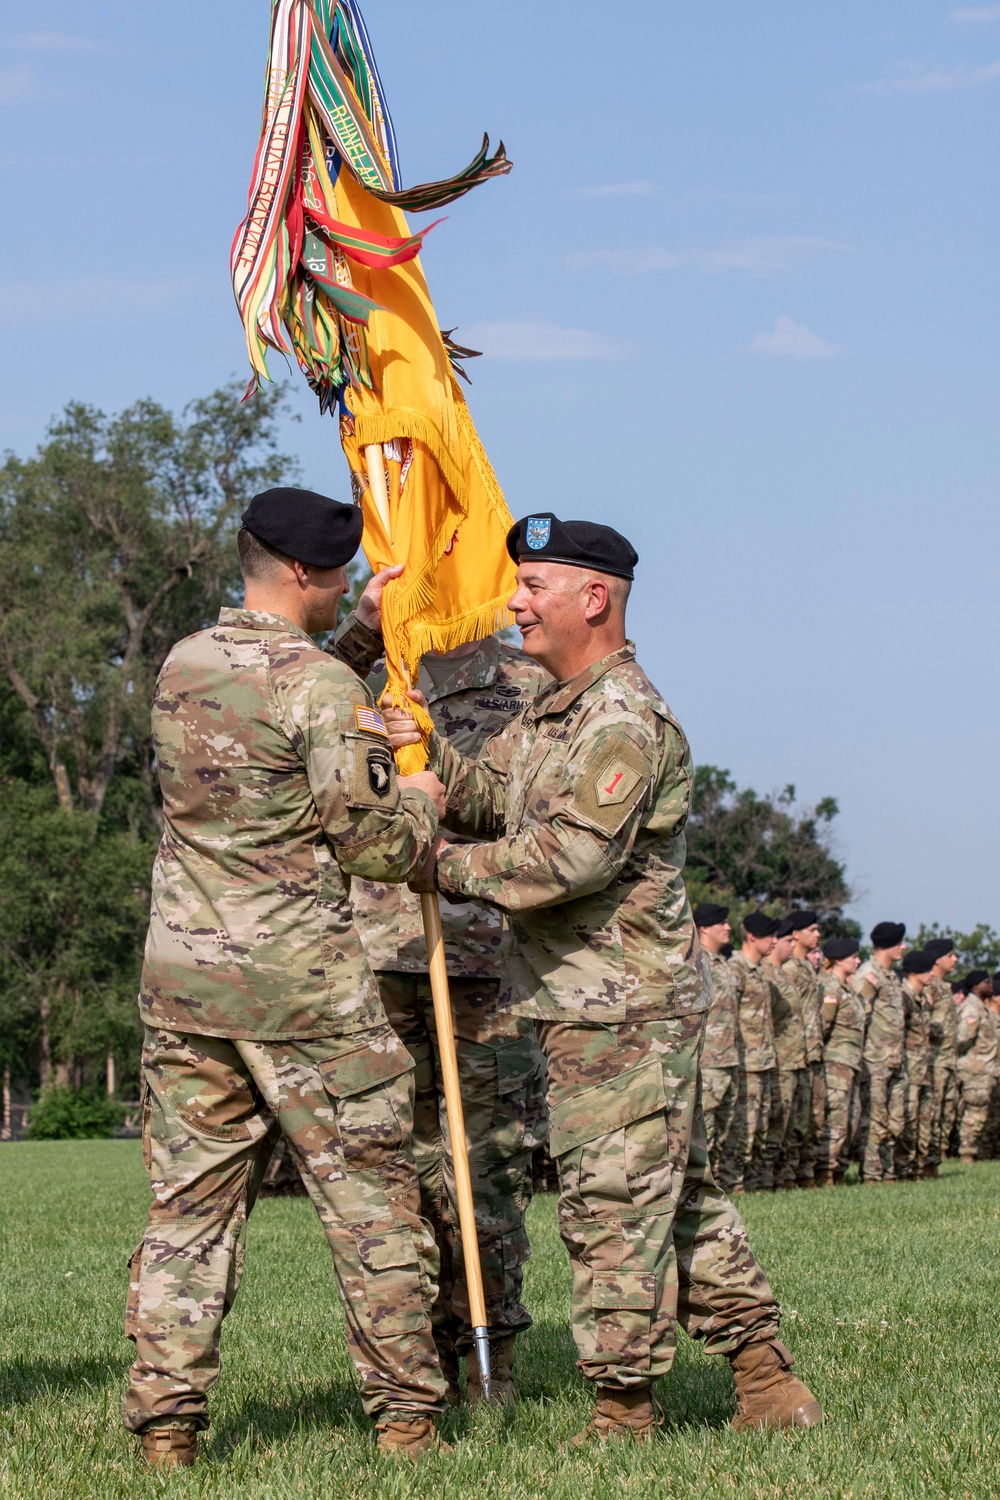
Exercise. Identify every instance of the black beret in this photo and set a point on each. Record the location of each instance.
(939, 947)
(710, 914)
(785, 928)
(918, 961)
(837, 948)
(307, 527)
(958, 986)
(760, 925)
(996, 984)
(582, 544)
(800, 919)
(888, 934)
(974, 977)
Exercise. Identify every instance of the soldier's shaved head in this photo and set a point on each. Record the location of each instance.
(259, 561)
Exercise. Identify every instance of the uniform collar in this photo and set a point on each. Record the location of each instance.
(262, 622)
(559, 696)
(477, 670)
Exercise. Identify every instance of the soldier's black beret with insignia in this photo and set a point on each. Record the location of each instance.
(837, 948)
(939, 947)
(760, 925)
(582, 544)
(800, 919)
(710, 914)
(888, 934)
(307, 527)
(785, 928)
(918, 961)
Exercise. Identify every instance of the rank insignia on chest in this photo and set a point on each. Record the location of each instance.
(380, 772)
(370, 722)
(615, 783)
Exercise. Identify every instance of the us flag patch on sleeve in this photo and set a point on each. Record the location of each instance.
(370, 722)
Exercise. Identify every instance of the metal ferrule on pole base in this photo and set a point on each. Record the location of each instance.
(483, 1359)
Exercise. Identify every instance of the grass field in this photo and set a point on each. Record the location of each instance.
(890, 1294)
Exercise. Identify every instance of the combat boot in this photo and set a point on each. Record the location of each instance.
(838, 1177)
(502, 1389)
(169, 1447)
(409, 1437)
(621, 1413)
(931, 1171)
(767, 1393)
(824, 1178)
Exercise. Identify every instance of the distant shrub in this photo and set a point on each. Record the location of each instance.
(64, 1114)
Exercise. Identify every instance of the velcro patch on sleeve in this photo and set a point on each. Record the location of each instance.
(605, 796)
(370, 721)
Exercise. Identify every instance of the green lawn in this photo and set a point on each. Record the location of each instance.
(891, 1298)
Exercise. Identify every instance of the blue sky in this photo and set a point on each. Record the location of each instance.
(738, 298)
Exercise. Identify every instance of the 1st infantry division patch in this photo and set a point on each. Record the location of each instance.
(614, 783)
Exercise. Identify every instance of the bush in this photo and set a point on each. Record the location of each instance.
(64, 1114)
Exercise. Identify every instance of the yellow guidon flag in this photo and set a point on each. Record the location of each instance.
(326, 267)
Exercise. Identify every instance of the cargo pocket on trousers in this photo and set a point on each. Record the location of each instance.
(372, 1088)
(392, 1281)
(623, 1303)
(132, 1300)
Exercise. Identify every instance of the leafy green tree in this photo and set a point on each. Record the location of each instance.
(750, 851)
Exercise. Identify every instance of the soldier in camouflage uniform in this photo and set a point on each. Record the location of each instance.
(843, 1043)
(944, 1053)
(472, 693)
(743, 1164)
(800, 970)
(883, 1071)
(978, 1041)
(720, 1052)
(583, 801)
(791, 1091)
(262, 1016)
(917, 966)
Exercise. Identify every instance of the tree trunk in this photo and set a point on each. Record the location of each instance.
(111, 1075)
(45, 1059)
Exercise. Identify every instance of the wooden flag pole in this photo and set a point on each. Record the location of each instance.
(434, 937)
(431, 912)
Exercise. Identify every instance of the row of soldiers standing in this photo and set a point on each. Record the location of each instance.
(813, 1058)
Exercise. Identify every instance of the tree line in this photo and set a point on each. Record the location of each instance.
(117, 539)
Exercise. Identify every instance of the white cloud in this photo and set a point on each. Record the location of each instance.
(975, 15)
(791, 340)
(53, 41)
(919, 76)
(20, 84)
(764, 256)
(538, 341)
(638, 189)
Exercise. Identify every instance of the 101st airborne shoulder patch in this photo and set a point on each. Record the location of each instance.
(380, 772)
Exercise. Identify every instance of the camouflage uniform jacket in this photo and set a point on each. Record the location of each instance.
(977, 1036)
(278, 785)
(721, 1046)
(885, 1024)
(786, 1019)
(843, 1028)
(917, 1017)
(583, 798)
(805, 979)
(470, 698)
(944, 1023)
(753, 994)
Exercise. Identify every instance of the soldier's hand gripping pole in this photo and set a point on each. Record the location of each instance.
(456, 1124)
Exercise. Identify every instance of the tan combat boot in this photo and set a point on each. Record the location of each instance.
(502, 1389)
(169, 1447)
(621, 1414)
(410, 1437)
(767, 1394)
(824, 1178)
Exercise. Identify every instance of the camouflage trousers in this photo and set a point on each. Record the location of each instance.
(502, 1075)
(788, 1125)
(917, 1138)
(977, 1096)
(944, 1087)
(882, 1131)
(718, 1099)
(653, 1242)
(843, 1108)
(742, 1165)
(817, 1119)
(212, 1110)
